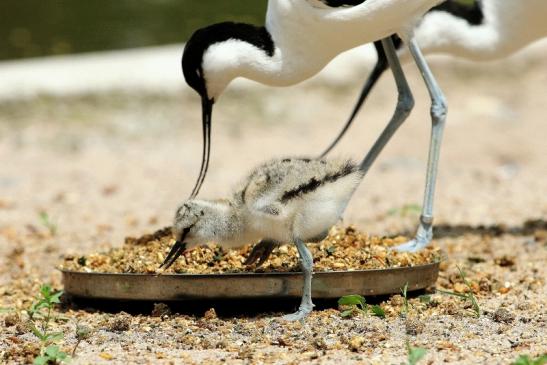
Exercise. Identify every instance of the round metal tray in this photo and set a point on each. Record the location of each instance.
(177, 287)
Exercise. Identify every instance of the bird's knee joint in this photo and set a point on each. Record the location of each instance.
(439, 110)
(426, 220)
(405, 104)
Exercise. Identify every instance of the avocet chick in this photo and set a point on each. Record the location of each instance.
(282, 201)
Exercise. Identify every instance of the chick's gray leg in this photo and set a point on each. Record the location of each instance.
(306, 263)
(261, 251)
(438, 118)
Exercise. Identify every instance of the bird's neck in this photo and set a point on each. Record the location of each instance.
(226, 61)
(500, 33)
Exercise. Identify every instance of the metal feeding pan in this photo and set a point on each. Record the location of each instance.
(180, 287)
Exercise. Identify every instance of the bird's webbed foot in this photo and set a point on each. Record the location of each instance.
(300, 314)
(422, 239)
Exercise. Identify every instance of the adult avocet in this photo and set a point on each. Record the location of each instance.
(299, 39)
(480, 30)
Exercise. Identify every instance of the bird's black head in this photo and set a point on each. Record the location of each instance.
(202, 39)
(192, 60)
(196, 76)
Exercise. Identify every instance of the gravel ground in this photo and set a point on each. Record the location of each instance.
(79, 174)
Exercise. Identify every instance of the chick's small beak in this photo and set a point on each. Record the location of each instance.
(178, 249)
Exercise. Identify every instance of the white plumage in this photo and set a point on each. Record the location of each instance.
(507, 27)
(306, 38)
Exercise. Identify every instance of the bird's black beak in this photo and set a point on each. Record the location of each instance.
(207, 113)
(178, 249)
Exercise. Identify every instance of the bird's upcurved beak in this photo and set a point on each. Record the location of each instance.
(207, 113)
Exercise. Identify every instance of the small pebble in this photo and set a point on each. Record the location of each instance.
(11, 320)
(460, 288)
(120, 323)
(503, 315)
(505, 261)
(210, 314)
(356, 343)
(413, 326)
(106, 356)
(160, 310)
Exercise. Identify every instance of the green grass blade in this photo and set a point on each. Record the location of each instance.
(352, 299)
(415, 354)
(378, 311)
(462, 296)
(347, 313)
(41, 360)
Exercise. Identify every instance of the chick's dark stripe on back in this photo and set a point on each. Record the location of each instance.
(306, 174)
(314, 183)
(265, 174)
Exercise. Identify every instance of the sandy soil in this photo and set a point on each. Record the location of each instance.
(103, 167)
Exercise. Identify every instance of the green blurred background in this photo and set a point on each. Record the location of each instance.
(33, 28)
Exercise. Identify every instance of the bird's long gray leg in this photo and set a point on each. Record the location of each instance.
(306, 263)
(373, 77)
(438, 118)
(405, 103)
